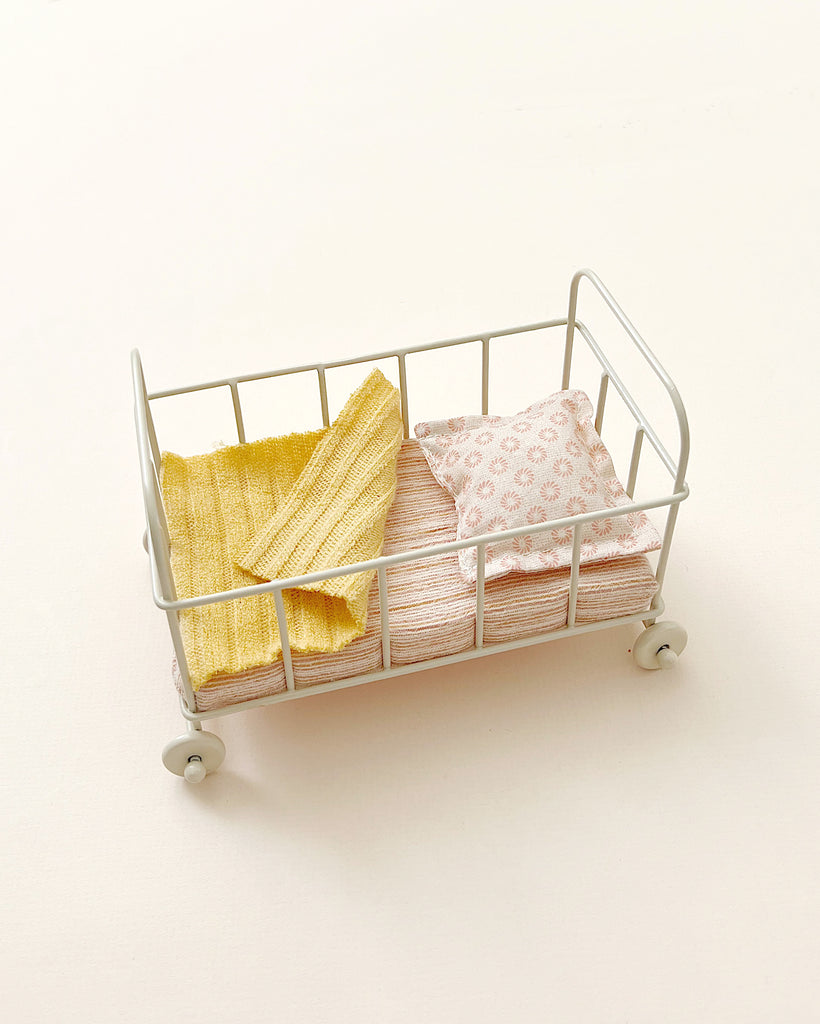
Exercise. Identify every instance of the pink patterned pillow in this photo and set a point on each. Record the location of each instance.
(546, 462)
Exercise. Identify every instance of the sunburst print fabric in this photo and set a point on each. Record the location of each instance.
(545, 463)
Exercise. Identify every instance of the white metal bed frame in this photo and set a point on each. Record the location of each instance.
(197, 752)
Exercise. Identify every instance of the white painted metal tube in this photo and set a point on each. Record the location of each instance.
(599, 408)
(412, 556)
(237, 411)
(282, 623)
(622, 319)
(145, 409)
(649, 356)
(450, 659)
(157, 527)
(176, 636)
(630, 402)
(663, 558)
(157, 536)
(370, 358)
(573, 307)
(182, 659)
(485, 376)
(481, 564)
(405, 414)
(573, 576)
(323, 396)
(384, 613)
(634, 461)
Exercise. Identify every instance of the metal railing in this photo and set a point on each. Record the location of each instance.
(164, 591)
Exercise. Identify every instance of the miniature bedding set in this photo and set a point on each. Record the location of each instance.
(326, 498)
(432, 607)
(227, 529)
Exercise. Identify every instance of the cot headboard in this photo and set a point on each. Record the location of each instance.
(677, 469)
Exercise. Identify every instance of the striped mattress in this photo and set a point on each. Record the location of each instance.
(431, 605)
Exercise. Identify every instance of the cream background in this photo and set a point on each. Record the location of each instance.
(545, 836)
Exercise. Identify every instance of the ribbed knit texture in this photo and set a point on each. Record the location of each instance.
(276, 508)
(336, 510)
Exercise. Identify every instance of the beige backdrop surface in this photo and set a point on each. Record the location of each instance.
(543, 836)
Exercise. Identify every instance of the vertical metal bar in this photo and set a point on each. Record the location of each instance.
(663, 558)
(485, 376)
(573, 576)
(163, 539)
(633, 465)
(323, 395)
(152, 435)
(599, 410)
(403, 388)
(385, 616)
(155, 448)
(638, 341)
(149, 419)
(573, 305)
(182, 661)
(481, 554)
(282, 623)
(157, 524)
(237, 411)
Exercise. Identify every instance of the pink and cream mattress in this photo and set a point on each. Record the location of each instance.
(432, 606)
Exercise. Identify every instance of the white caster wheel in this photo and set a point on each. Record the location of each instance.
(194, 755)
(659, 645)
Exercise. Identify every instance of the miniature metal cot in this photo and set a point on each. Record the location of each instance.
(198, 752)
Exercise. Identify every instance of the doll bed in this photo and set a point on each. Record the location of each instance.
(432, 608)
(422, 612)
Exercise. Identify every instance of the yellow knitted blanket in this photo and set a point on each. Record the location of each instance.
(276, 508)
